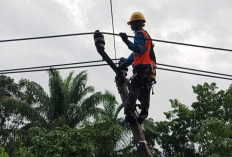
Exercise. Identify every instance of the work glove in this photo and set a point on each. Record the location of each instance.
(122, 69)
(124, 38)
(99, 40)
(122, 66)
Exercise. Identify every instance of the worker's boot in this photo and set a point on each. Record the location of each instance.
(142, 116)
(131, 118)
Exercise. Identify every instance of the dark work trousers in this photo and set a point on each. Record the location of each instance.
(139, 89)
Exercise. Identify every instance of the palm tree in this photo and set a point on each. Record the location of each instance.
(70, 101)
(109, 107)
(111, 111)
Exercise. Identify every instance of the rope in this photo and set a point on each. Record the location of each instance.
(112, 18)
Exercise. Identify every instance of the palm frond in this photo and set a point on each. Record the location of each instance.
(68, 80)
(67, 86)
(101, 111)
(81, 95)
(149, 125)
(78, 88)
(87, 108)
(118, 110)
(57, 99)
(124, 141)
(109, 104)
(75, 115)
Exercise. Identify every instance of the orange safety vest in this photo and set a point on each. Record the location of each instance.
(144, 58)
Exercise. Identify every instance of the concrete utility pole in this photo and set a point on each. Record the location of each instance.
(121, 81)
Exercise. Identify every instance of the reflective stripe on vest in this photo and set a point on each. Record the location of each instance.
(144, 58)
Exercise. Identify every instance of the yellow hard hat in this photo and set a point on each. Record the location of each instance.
(136, 16)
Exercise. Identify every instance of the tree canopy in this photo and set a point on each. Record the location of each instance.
(73, 120)
(202, 129)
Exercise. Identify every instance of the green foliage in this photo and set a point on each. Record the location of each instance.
(109, 107)
(97, 138)
(13, 106)
(92, 139)
(214, 137)
(22, 152)
(150, 133)
(3, 153)
(210, 102)
(206, 125)
(62, 141)
(69, 102)
(105, 134)
(204, 129)
(174, 135)
(8, 88)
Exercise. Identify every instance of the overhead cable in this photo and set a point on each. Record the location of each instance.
(191, 69)
(97, 61)
(47, 37)
(47, 69)
(59, 67)
(49, 66)
(179, 43)
(185, 72)
(89, 33)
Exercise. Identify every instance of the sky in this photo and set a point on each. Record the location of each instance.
(202, 22)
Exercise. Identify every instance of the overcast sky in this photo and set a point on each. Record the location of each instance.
(203, 22)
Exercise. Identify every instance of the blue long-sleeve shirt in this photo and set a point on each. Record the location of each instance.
(136, 47)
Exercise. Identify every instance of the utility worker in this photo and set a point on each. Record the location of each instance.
(144, 62)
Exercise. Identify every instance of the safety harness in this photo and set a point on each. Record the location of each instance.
(147, 60)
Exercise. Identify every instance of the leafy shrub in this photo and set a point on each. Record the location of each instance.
(3, 153)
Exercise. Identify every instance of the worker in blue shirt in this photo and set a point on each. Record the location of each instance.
(137, 46)
(143, 60)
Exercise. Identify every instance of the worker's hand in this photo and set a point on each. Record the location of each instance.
(99, 40)
(124, 37)
(119, 68)
(122, 66)
(122, 70)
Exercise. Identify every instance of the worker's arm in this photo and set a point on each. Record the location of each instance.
(136, 47)
(139, 43)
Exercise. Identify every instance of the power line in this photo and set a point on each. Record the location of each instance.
(47, 37)
(89, 33)
(179, 43)
(178, 67)
(49, 66)
(97, 61)
(46, 68)
(112, 18)
(185, 72)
